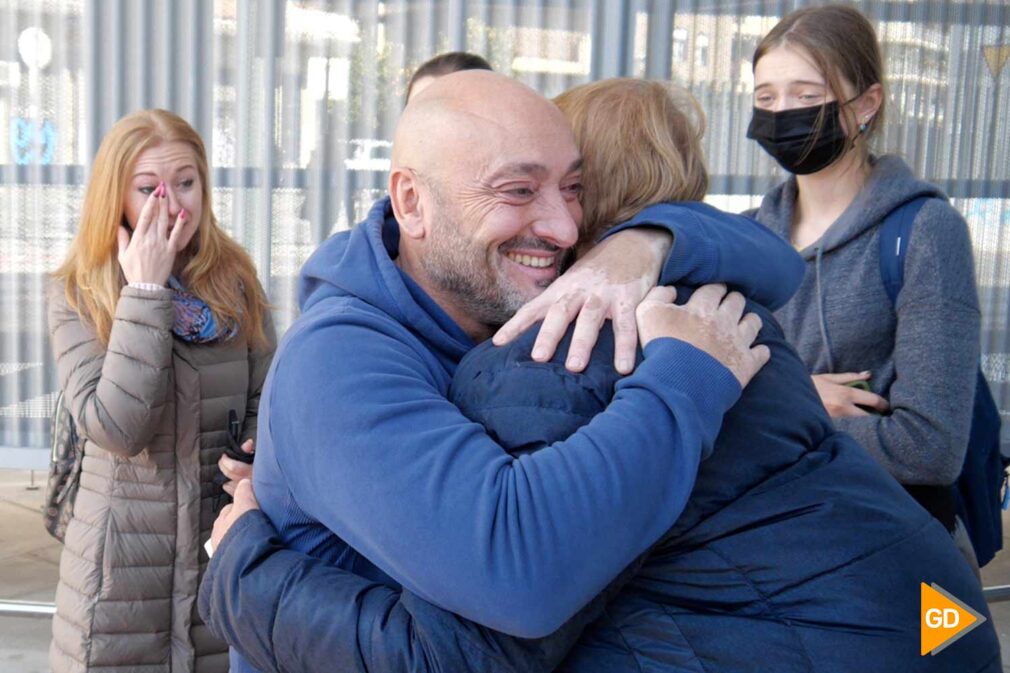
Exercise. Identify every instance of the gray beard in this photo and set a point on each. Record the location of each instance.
(475, 291)
(459, 268)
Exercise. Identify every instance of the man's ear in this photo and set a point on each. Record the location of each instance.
(405, 196)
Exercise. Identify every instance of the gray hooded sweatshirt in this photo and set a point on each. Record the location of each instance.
(923, 352)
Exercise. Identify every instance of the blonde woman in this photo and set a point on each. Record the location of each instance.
(162, 339)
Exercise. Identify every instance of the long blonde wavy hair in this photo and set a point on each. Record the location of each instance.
(217, 269)
(641, 142)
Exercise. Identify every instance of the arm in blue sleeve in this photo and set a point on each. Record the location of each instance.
(710, 246)
(287, 611)
(380, 457)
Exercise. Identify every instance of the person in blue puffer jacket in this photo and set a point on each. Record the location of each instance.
(796, 551)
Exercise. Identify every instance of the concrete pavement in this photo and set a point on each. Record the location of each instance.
(29, 567)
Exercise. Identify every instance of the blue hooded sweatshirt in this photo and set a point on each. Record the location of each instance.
(795, 549)
(363, 463)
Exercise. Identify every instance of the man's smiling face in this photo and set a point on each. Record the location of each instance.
(485, 186)
(501, 204)
(501, 235)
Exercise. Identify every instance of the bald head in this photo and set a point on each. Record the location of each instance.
(484, 185)
(467, 113)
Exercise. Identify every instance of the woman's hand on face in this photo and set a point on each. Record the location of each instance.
(608, 282)
(841, 399)
(149, 254)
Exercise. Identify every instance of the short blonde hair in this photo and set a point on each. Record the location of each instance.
(641, 142)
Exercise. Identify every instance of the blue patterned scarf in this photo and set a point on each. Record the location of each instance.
(194, 321)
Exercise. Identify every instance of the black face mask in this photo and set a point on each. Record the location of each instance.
(791, 137)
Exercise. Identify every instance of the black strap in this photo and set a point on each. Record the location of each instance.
(937, 500)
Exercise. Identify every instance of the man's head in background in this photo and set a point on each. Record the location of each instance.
(444, 64)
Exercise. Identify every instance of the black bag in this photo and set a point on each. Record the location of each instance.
(64, 471)
(233, 448)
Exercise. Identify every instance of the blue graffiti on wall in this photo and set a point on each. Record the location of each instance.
(32, 142)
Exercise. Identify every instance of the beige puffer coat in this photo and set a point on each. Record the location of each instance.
(153, 410)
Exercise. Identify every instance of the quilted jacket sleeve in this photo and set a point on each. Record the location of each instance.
(116, 394)
(259, 365)
(287, 612)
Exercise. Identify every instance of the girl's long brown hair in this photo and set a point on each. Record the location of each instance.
(218, 270)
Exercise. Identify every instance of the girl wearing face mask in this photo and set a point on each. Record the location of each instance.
(818, 101)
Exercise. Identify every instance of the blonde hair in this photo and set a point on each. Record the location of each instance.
(218, 270)
(641, 142)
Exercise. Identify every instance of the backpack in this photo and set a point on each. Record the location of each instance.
(977, 493)
(64, 471)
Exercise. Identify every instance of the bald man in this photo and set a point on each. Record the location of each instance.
(364, 464)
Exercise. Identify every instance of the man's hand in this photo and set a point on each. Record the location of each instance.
(843, 400)
(609, 282)
(235, 470)
(245, 500)
(711, 320)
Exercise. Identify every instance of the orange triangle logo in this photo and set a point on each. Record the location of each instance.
(996, 57)
(943, 619)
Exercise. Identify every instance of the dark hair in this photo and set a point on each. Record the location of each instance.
(444, 64)
(841, 42)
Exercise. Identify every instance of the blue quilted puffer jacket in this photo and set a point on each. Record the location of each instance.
(796, 552)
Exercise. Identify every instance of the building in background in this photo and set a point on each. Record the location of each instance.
(298, 100)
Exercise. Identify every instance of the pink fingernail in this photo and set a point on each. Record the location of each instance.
(182, 214)
(161, 189)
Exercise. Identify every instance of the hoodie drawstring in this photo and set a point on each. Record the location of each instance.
(820, 310)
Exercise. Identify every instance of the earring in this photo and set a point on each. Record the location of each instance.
(864, 125)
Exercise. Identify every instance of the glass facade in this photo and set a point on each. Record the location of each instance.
(298, 100)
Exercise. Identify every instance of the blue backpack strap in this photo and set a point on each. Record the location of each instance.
(895, 233)
(978, 488)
